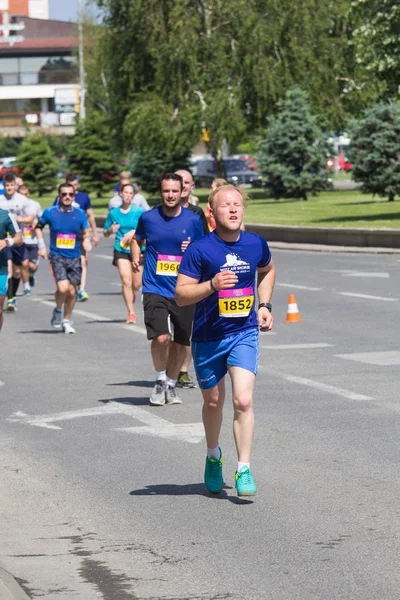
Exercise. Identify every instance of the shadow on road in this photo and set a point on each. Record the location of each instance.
(139, 383)
(190, 489)
(43, 331)
(133, 401)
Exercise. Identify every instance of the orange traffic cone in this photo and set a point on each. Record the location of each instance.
(293, 314)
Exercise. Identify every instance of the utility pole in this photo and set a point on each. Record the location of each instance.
(82, 90)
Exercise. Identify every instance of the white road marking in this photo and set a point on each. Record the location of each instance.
(104, 256)
(330, 389)
(383, 359)
(96, 317)
(350, 273)
(299, 287)
(154, 425)
(368, 297)
(297, 346)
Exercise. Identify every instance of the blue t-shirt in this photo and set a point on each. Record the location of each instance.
(226, 312)
(80, 198)
(126, 221)
(164, 236)
(65, 230)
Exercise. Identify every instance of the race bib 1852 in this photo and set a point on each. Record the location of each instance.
(168, 264)
(66, 241)
(235, 303)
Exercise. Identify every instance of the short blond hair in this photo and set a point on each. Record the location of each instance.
(228, 186)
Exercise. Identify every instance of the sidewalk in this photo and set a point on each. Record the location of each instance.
(9, 588)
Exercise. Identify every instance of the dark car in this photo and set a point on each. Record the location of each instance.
(237, 172)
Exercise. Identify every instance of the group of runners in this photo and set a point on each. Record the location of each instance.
(206, 285)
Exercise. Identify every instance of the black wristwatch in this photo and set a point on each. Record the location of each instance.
(265, 305)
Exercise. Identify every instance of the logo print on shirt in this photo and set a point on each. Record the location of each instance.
(235, 263)
(233, 260)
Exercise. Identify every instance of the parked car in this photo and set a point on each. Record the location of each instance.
(237, 172)
(7, 164)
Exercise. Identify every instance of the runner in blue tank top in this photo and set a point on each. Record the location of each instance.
(168, 230)
(123, 221)
(224, 273)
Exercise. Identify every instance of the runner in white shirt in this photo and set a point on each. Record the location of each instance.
(23, 212)
(32, 246)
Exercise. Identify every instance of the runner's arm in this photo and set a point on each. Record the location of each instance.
(86, 243)
(265, 287)
(16, 240)
(136, 249)
(28, 220)
(93, 226)
(189, 290)
(42, 251)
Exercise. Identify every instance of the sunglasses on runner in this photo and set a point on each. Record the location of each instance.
(65, 194)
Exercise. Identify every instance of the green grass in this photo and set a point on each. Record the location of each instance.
(329, 209)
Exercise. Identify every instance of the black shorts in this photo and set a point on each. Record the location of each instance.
(17, 254)
(118, 254)
(163, 315)
(32, 253)
(66, 268)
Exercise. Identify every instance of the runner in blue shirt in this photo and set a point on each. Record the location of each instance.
(168, 230)
(123, 222)
(10, 236)
(67, 225)
(82, 200)
(222, 274)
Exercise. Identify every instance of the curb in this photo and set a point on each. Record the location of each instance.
(333, 239)
(9, 588)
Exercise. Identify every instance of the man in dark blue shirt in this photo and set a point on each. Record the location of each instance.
(168, 230)
(223, 274)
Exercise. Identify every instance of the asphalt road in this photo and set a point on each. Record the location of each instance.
(102, 495)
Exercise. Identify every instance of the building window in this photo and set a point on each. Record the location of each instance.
(33, 70)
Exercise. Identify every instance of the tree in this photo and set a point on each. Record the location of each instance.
(293, 153)
(90, 153)
(223, 65)
(9, 147)
(376, 39)
(375, 150)
(38, 164)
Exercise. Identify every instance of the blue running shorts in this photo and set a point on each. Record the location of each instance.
(3, 284)
(211, 359)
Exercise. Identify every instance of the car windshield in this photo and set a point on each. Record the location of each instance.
(235, 165)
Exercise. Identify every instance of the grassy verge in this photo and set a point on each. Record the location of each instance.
(329, 209)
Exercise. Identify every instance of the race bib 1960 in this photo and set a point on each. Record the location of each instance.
(235, 303)
(168, 264)
(66, 241)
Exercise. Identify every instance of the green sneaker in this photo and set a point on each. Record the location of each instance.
(244, 482)
(213, 474)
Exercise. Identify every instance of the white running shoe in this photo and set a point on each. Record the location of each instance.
(157, 397)
(57, 319)
(67, 326)
(171, 396)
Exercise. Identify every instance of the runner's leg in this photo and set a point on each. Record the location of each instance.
(243, 420)
(213, 403)
(125, 273)
(69, 300)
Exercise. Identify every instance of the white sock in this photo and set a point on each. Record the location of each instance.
(27, 286)
(241, 465)
(214, 452)
(171, 382)
(161, 375)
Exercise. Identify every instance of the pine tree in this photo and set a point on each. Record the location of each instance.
(38, 164)
(90, 154)
(293, 153)
(375, 150)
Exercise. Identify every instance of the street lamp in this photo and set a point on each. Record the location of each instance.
(82, 91)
